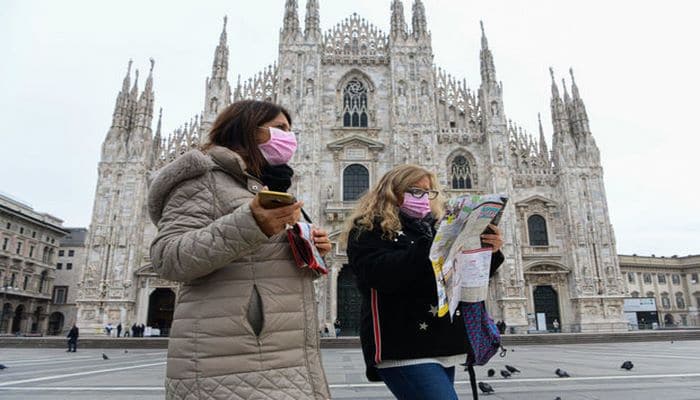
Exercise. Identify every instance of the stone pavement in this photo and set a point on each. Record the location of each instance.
(663, 370)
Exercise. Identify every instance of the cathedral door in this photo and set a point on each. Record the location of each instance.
(547, 301)
(161, 304)
(349, 301)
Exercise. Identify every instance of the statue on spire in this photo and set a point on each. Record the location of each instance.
(574, 88)
(219, 68)
(398, 23)
(290, 26)
(312, 26)
(420, 24)
(488, 70)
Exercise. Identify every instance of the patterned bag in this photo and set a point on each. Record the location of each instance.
(482, 333)
(482, 336)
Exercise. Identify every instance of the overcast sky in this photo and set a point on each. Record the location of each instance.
(636, 65)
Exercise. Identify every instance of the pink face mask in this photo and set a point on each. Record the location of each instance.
(280, 148)
(417, 208)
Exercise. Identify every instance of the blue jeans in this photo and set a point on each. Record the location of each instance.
(420, 382)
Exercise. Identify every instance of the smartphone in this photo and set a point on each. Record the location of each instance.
(270, 199)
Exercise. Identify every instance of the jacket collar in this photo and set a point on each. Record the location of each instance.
(424, 226)
(230, 162)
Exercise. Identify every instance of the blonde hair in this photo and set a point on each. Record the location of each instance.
(382, 202)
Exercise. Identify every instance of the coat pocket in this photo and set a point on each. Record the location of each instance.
(255, 315)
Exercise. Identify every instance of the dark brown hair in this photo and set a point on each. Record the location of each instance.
(235, 128)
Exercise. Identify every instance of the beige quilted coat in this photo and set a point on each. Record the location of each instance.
(235, 282)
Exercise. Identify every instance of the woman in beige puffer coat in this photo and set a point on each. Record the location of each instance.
(245, 323)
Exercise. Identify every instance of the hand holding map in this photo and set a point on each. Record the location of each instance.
(460, 262)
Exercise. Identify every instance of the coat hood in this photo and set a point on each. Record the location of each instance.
(190, 165)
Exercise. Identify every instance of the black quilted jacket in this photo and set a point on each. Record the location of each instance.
(399, 296)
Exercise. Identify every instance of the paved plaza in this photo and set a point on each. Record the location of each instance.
(662, 370)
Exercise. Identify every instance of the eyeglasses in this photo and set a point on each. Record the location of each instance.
(418, 193)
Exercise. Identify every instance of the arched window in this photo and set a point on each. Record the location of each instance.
(309, 87)
(665, 301)
(537, 229)
(355, 182)
(42, 281)
(424, 88)
(680, 301)
(355, 104)
(634, 294)
(651, 294)
(647, 278)
(461, 173)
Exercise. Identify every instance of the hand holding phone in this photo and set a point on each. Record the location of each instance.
(275, 217)
(269, 199)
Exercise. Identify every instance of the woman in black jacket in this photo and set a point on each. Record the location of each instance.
(404, 342)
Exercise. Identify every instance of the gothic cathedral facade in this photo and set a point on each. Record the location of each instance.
(362, 102)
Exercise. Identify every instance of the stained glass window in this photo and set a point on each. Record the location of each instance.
(355, 104)
(461, 173)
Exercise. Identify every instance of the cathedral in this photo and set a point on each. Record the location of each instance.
(364, 100)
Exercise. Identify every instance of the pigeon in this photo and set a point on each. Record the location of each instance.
(512, 369)
(2, 366)
(627, 365)
(491, 372)
(561, 373)
(126, 351)
(486, 388)
(505, 373)
(557, 398)
(104, 356)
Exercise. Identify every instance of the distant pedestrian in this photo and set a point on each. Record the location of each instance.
(504, 326)
(73, 339)
(119, 329)
(142, 328)
(108, 329)
(134, 330)
(336, 325)
(555, 324)
(127, 331)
